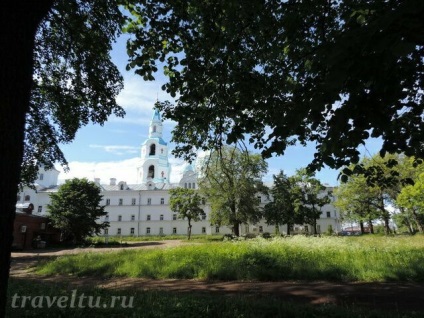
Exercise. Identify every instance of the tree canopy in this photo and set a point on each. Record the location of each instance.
(74, 81)
(333, 73)
(187, 203)
(57, 77)
(75, 209)
(231, 182)
(285, 198)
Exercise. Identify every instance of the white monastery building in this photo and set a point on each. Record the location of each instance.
(143, 208)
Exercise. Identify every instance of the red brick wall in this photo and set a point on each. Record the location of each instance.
(33, 225)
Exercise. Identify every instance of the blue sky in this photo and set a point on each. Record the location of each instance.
(112, 150)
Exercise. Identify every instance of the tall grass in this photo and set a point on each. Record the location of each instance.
(296, 258)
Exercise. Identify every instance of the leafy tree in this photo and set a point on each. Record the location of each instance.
(355, 201)
(285, 194)
(231, 181)
(285, 72)
(75, 210)
(312, 198)
(186, 202)
(411, 198)
(56, 77)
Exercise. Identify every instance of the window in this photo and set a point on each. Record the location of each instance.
(118, 231)
(185, 185)
(151, 172)
(154, 128)
(133, 201)
(217, 229)
(41, 176)
(174, 217)
(149, 201)
(119, 218)
(106, 231)
(132, 217)
(203, 216)
(259, 199)
(306, 228)
(261, 228)
(43, 226)
(194, 186)
(162, 201)
(27, 198)
(328, 214)
(121, 187)
(40, 209)
(152, 150)
(203, 230)
(120, 201)
(148, 217)
(161, 217)
(132, 230)
(107, 217)
(161, 230)
(107, 201)
(189, 185)
(18, 198)
(148, 230)
(174, 230)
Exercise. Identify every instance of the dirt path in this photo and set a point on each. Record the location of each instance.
(388, 296)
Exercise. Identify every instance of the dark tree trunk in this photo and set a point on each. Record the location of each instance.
(361, 225)
(236, 227)
(418, 221)
(189, 229)
(18, 24)
(371, 225)
(288, 228)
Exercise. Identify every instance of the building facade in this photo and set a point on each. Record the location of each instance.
(143, 208)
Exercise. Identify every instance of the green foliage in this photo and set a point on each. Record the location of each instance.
(74, 81)
(367, 258)
(186, 202)
(411, 198)
(331, 72)
(75, 209)
(282, 209)
(312, 198)
(231, 182)
(373, 184)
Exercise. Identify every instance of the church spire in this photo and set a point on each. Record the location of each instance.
(155, 128)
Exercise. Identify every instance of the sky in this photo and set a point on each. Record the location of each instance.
(113, 150)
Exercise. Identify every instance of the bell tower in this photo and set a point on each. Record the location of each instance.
(154, 165)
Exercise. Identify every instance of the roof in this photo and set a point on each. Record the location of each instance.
(138, 187)
(159, 140)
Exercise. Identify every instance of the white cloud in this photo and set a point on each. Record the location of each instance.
(117, 149)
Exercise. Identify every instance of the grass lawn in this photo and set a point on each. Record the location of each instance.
(366, 258)
(165, 304)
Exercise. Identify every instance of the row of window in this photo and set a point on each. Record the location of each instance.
(149, 217)
(134, 201)
(189, 185)
(149, 231)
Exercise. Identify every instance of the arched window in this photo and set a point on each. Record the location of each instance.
(18, 198)
(151, 172)
(154, 129)
(122, 187)
(27, 198)
(152, 150)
